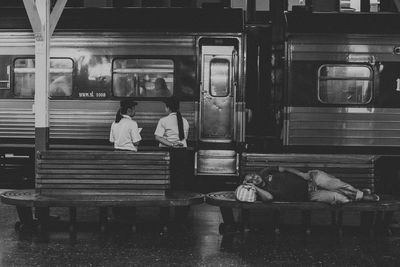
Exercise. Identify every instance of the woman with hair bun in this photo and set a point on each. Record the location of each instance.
(125, 133)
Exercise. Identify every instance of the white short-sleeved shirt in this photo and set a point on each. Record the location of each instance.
(167, 127)
(124, 133)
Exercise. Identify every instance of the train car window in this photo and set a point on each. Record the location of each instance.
(24, 77)
(143, 77)
(219, 77)
(60, 77)
(345, 84)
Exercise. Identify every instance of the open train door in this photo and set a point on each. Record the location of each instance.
(218, 119)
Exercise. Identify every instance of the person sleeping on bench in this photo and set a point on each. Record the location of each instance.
(289, 184)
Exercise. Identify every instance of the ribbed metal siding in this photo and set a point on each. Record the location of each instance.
(93, 119)
(342, 126)
(75, 119)
(16, 119)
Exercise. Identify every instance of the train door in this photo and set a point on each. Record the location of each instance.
(218, 123)
(217, 95)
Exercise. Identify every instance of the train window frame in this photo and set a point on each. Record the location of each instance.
(141, 97)
(33, 96)
(370, 80)
(228, 80)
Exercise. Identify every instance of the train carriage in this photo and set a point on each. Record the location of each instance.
(101, 56)
(342, 82)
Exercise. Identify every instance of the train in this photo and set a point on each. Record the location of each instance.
(338, 92)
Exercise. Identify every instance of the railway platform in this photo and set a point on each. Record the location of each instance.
(201, 245)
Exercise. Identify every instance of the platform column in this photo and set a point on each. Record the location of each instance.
(43, 24)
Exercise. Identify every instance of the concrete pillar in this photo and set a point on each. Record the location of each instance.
(42, 66)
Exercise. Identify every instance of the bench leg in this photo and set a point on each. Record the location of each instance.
(245, 216)
(43, 215)
(337, 222)
(164, 219)
(103, 217)
(72, 221)
(181, 214)
(307, 221)
(25, 218)
(228, 224)
(367, 221)
(276, 221)
(387, 219)
(340, 223)
(132, 218)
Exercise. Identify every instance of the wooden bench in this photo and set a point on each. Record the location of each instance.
(85, 178)
(357, 170)
(62, 172)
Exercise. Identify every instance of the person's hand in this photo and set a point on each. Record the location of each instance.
(281, 169)
(177, 144)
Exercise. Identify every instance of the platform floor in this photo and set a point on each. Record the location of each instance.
(200, 245)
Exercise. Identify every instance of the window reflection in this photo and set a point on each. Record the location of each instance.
(345, 84)
(143, 77)
(60, 77)
(219, 77)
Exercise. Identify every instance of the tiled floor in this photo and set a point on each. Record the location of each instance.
(200, 245)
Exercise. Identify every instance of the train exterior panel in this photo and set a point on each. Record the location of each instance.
(342, 90)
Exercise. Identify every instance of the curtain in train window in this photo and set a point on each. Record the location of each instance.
(219, 77)
(143, 77)
(60, 77)
(345, 84)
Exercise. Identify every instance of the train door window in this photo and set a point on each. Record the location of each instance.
(345, 84)
(143, 77)
(219, 77)
(60, 77)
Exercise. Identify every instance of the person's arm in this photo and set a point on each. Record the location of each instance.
(112, 140)
(303, 175)
(165, 142)
(264, 195)
(135, 135)
(159, 136)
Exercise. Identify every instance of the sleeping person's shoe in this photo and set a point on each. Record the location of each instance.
(366, 191)
(371, 197)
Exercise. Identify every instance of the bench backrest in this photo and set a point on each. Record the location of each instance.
(102, 172)
(357, 170)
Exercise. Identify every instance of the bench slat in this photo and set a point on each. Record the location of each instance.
(106, 156)
(103, 186)
(101, 172)
(104, 176)
(102, 192)
(102, 167)
(114, 181)
(104, 162)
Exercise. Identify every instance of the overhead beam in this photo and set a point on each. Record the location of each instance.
(397, 4)
(56, 14)
(33, 15)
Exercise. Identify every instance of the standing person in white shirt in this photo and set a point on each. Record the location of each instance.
(125, 133)
(172, 130)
